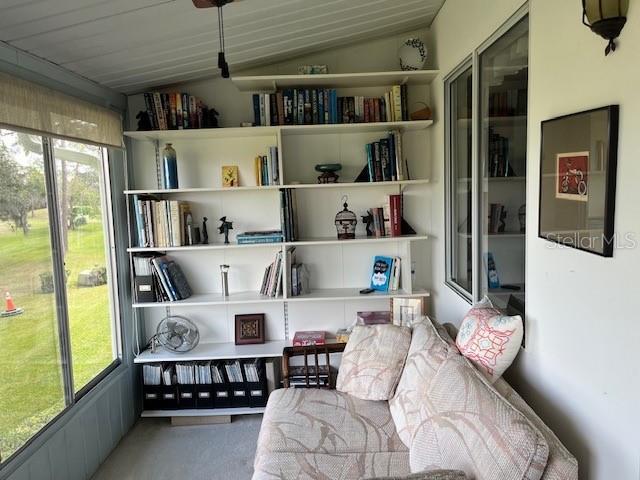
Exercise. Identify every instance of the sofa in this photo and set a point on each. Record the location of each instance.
(444, 414)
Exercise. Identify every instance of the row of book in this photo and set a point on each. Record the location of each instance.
(497, 215)
(499, 165)
(507, 103)
(272, 278)
(175, 111)
(324, 106)
(159, 279)
(387, 220)
(289, 214)
(384, 159)
(267, 168)
(163, 223)
(201, 373)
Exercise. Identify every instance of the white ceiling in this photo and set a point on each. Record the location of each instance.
(130, 45)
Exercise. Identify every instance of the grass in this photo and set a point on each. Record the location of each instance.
(30, 373)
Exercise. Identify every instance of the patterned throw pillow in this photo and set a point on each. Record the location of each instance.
(372, 361)
(490, 339)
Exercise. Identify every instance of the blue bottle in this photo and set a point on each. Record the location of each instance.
(169, 167)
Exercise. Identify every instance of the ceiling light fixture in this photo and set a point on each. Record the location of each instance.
(222, 62)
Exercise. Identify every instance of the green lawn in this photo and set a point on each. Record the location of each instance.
(30, 376)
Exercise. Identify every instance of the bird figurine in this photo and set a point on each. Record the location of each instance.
(224, 228)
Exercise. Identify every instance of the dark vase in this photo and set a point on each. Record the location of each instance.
(169, 167)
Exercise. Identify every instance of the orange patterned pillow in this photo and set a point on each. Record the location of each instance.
(490, 339)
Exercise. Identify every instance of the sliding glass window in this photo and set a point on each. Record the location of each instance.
(57, 318)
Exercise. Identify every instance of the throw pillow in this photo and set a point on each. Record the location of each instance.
(490, 339)
(430, 475)
(372, 361)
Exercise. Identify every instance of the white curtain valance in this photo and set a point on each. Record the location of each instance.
(40, 109)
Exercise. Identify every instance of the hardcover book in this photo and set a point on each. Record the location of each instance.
(381, 275)
(309, 337)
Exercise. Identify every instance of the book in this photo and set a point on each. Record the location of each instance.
(381, 274)
(395, 215)
(308, 337)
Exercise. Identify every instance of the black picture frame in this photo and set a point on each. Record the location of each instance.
(576, 206)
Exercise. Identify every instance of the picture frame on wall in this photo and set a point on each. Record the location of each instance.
(406, 311)
(249, 329)
(578, 163)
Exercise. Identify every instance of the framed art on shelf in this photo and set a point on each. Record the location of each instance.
(406, 311)
(250, 329)
(578, 161)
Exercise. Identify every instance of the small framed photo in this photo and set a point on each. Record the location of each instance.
(250, 329)
(406, 311)
(230, 176)
(578, 161)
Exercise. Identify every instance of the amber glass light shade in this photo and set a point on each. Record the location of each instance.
(605, 18)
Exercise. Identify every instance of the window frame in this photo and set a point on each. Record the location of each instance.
(473, 61)
(71, 397)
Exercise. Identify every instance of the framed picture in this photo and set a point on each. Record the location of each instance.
(578, 162)
(230, 176)
(249, 329)
(406, 311)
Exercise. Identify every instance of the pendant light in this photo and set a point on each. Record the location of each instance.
(605, 18)
(222, 62)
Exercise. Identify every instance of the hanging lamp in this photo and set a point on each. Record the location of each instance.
(222, 61)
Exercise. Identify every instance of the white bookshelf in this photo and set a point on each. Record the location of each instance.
(202, 412)
(216, 351)
(339, 269)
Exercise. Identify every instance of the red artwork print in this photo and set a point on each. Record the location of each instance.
(572, 176)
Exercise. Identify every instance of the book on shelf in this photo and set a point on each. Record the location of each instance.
(267, 168)
(175, 111)
(289, 214)
(162, 223)
(386, 273)
(317, 106)
(298, 274)
(388, 219)
(384, 159)
(497, 213)
(159, 279)
(264, 236)
(272, 278)
(309, 337)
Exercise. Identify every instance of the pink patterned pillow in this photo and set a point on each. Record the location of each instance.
(490, 339)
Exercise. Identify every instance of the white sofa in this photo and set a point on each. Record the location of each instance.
(444, 414)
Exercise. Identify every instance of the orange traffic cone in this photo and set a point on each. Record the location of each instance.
(11, 308)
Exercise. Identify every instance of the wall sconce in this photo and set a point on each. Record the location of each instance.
(606, 18)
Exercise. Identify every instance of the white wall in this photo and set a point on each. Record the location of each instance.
(580, 370)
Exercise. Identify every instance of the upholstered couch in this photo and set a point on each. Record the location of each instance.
(444, 414)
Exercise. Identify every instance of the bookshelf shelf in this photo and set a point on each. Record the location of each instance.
(216, 351)
(201, 248)
(287, 130)
(202, 412)
(320, 186)
(205, 299)
(270, 83)
(336, 294)
(335, 241)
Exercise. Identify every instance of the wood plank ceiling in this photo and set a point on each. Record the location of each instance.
(131, 45)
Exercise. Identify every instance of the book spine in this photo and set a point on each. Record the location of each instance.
(397, 102)
(256, 239)
(392, 156)
(308, 112)
(179, 121)
(173, 122)
(369, 150)
(300, 109)
(162, 278)
(185, 111)
(256, 109)
(164, 98)
(280, 107)
(175, 223)
(273, 108)
(193, 113)
(377, 109)
(267, 109)
(386, 219)
(149, 107)
(403, 102)
(377, 161)
(395, 203)
(172, 288)
(384, 157)
(157, 108)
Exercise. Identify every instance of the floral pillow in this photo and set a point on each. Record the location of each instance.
(490, 339)
(373, 360)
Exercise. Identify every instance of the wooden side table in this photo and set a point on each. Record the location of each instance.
(311, 372)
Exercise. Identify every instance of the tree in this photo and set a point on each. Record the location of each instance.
(21, 190)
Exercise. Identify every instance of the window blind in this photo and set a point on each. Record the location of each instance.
(42, 110)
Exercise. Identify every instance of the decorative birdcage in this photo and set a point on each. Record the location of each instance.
(346, 222)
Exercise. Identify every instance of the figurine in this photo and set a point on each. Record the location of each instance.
(224, 228)
(368, 221)
(144, 122)
(210, 119)
(503, 223)
(205, 234)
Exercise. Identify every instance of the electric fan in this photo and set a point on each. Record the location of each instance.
(177, 334)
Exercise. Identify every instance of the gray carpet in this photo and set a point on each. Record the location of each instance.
(154, 449)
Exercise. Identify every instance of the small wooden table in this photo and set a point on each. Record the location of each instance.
(309, 373)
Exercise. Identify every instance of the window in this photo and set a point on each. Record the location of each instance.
(58, 324)
(459, 196)
(486, 173)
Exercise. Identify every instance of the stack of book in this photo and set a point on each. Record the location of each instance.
(175, 111)
(262, 236)
(304, 106)
(162, 223)
(267, 169)
(384, 159)
(272, 279)
(289, 214)
(499, 156)
(298, 276)
(387, 220)
(159, 279)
